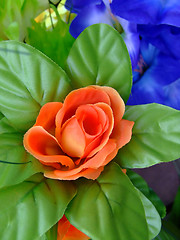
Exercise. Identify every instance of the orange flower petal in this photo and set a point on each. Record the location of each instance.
(45, 147)
(76, 98)
(47, 114)
(117, 103)
(106, 108)
(75, 234)
(107, 153)
(94, 122)
(67, 231)
(89, 173)
(95, 163)
(91, 119)
(72, 138)
(63, 227)
(123, 132)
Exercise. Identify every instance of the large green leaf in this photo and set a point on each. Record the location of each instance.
(141, 184)
(152, 217)
(155, 138)
(28, 80)
(30, 209)
(99, 56)
(108, 208)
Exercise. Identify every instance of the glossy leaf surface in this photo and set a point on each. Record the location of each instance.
(30, 209)
(99, 56)
(108, 208)
(28, 80)
(155, 136)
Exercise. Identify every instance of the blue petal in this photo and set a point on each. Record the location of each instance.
(138, 11)
(165, 37)
(91, 14)
(131, 38)
(148, 11)
(77, 5)
(159, 83)
(170, 13)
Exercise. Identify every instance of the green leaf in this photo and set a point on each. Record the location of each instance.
(99, 56)
(55, 43)
(152, 217)
(30, 209)
(16, 164)
(141, 184)
(108, 208)
(51, 234)
(28, 80)
(12, 31)
(155, 138)
(169, 231)
(163, 235)
(16, 16)
(138, 181)
(153, 197)
(175, 212)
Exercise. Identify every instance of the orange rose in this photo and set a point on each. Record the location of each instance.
(66, 231)
(80, 136)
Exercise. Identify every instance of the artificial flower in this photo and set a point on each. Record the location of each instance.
(148, 11)
(66, 231)
(157, 21)
(80, 136)
(156, 79)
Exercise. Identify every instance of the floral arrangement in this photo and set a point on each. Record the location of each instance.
(71, 132)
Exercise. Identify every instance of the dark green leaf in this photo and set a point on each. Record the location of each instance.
(152, 217)
(138, 182)
(50, 235)
(175, 212)
(155, 139)
(28, 80)
(108, 208)
(163, 235)
(141, 184)
(169, 231)
(153, 197)
(99, 56)
(30, 209)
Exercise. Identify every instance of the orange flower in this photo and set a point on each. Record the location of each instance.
(80, 136)
(66, 231)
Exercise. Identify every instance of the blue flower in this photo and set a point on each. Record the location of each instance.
(156, 79)
(158, 21)
(148, 11)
